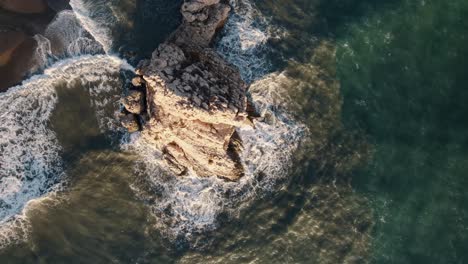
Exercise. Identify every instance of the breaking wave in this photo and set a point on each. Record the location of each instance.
(190, 205)
(30, 154)
(68, 37)
(187, 206)
(244, 39)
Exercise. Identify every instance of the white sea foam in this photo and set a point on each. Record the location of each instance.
(97, 18)
(244, 39)
(188, 205)
(42, 52)
(30, 162)
(185, 206)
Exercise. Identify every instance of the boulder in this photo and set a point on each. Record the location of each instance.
(18, 61)
(195, 99)
(11, 39)
(130, 122)
(134, 102)
(202, 19)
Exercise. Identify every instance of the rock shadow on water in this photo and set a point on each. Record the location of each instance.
(75, 123)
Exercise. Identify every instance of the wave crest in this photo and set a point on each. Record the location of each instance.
(30, 154)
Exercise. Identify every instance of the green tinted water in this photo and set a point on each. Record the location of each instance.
(403, 78)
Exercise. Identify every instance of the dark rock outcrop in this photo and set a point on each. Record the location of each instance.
(24, 6)
(134, 102)
(195, 99)
(20, 21)
(11, 39)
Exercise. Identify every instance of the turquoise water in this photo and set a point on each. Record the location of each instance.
(403, 78)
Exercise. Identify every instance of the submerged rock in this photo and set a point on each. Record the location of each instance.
(11, 39)
(138, 81)
(202, 18)
(195, 99)
(59, 5)
(21, 24)
(17, 58)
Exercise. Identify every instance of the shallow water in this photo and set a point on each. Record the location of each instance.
(371, 94)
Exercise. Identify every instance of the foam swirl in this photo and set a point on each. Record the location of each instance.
(30, 154)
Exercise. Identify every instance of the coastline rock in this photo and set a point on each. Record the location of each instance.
(24, 6)
(130, 122)
(138, 81)
(195, 99)
(134, 103)
(202, 18)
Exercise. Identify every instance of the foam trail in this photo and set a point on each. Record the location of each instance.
(69, 38)
(244, 39)
(30, 162)
(97, 19)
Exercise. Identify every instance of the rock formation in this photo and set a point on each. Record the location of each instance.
(16, 56)
(24, 6)
(10, 41)
(20, 21)
(194, 99)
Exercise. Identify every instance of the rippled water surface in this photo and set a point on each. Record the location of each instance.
(360, 156)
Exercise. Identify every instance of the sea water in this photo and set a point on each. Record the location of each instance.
(359, 157)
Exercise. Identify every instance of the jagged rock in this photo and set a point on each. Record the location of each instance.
(27, 20)
(134, 102)
(138, 81)
(195, 99)
(202, 18)
(16, 57)
(130, 122)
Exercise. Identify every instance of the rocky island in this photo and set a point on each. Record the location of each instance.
(189, 101)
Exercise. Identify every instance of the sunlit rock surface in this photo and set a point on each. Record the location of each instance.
(195, 99)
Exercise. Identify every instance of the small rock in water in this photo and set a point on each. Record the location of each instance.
(134, 102)
(196, 100)
(130, 122)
